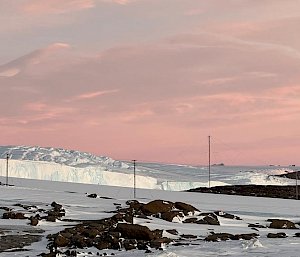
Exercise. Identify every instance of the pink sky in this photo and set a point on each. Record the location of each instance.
(150, 80)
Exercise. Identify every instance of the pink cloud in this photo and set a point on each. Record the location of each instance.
(95, 94)
(37, 7)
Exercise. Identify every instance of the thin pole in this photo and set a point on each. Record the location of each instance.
(296, 185)
(134, 179)
(209, 161)
(7, 158)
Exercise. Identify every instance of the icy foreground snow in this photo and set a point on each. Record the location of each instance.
(74, 166)
(78, 206)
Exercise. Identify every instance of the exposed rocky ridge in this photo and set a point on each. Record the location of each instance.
(272, 191)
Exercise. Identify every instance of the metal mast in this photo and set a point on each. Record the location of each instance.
(134, 179)
(7, 158)
(209, 161)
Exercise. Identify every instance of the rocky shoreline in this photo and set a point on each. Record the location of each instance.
(271, 191)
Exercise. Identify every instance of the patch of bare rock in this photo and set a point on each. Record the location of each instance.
(272, 191)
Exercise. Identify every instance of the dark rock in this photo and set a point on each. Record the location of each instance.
(142, 245)
(227, 215)
(219, 237)
(209, 218)
(134, 231)
(172, 231)
(256, 226)
(245, 236)
(130, 244)
(276, 235)
(90, 232)
(103, 245)
(190, 220)
(128, 217)
(157, 206)
(5, 208)
(281, 224)
(134, 204)
(13, 215)
(61, 241)
(157, 243)
(34, 221)
(286, 192)
(185, 207)
(188, 236)
(56, 206)
(170, 215)
(51, 218)
(180, 244)
(92, 195)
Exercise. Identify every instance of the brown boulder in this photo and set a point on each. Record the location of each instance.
(157, 206)
(172, 231)
(245, 236)
(34, 221)
(185, 207)
(281, 224)
(13, 215)
(157, 243)
(130, 244)
(138, 232)
(103, 245)
(227, 215)
(61, 241)
(190, 220)
(209, 218)
(219, 237)
(169, 216)
(276, 235)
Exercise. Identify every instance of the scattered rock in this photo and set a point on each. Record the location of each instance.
(157, 206)
(209, 218)
(185, 207)
(92, 195)
(172, 231)
(256, 226)
(190, 220)
(34, 221)
(281, 224)
(13, 215)
(188, 236)
(226, 236)
(276, 235)
(227, 215)
(170, 215)
(215, 237)
(139, 232)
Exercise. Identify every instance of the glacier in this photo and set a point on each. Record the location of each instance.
(55, 164)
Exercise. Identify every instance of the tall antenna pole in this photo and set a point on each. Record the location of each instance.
(297, 185)
(134, 181)
(209, 161)
(7, 158)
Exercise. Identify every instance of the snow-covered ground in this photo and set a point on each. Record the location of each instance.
(68, 176)
(78, 206)
(73, 166)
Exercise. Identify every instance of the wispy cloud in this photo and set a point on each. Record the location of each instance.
(91, 95)
(36, 7)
